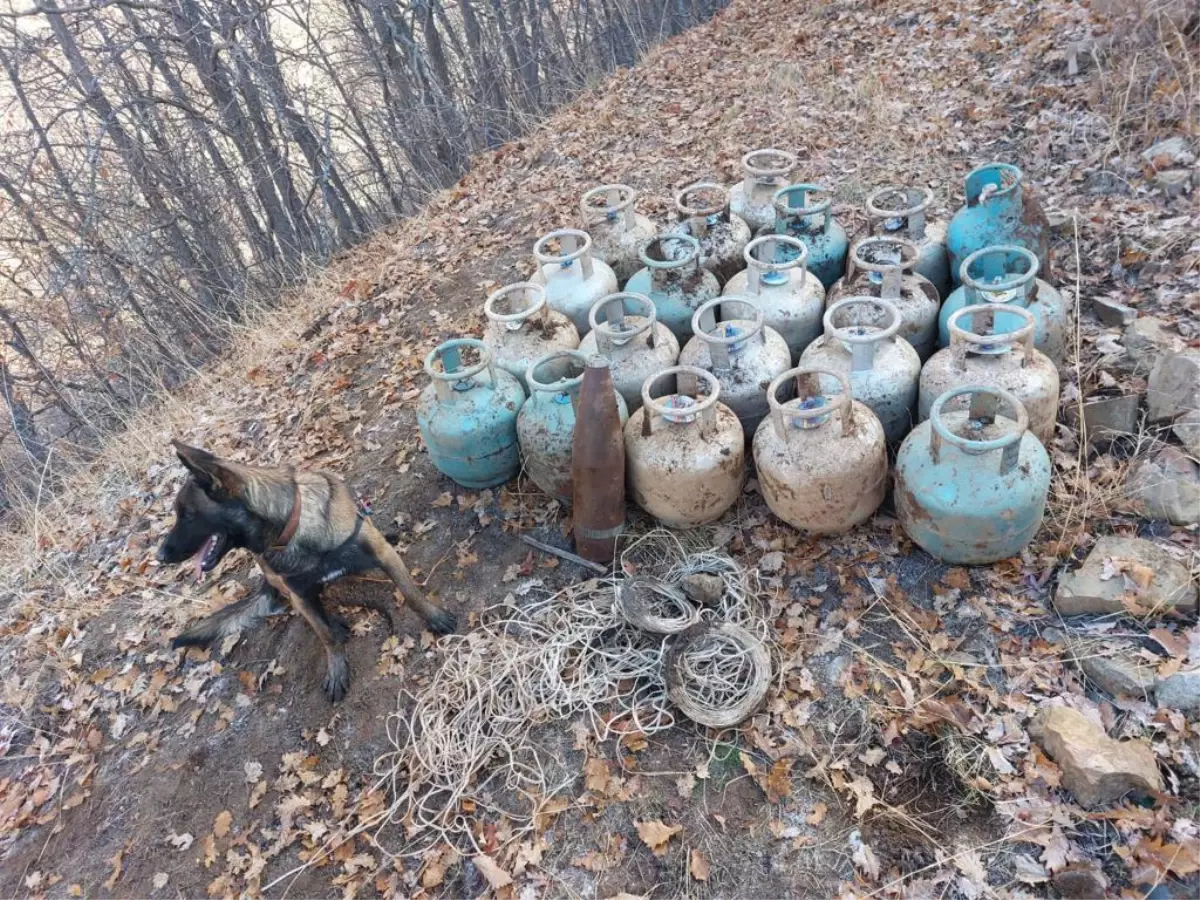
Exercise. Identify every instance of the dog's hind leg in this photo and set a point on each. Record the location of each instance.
(239, 616)
(440, 621)
(331, 633)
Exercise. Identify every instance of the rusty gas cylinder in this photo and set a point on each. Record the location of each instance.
(573, 277)
(882, 266)
(904, 212)
(999, 211)
(805, 211)
(862, 344)
(778, 281)
(686, 450)
(704, 214)
(753, 198)
(674, 280)
(822, 457)
(522, 328)
(979, 354)
(598, 466)
(617, 230)
(971, 485)
(626, 332)
(1006, 277)
(546, 423)
(742, 352)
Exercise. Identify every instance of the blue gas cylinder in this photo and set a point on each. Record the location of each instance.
(804, 211)
(675, 280)
(546, 423)
(971, 484)
(997, 212)
(468, 415)
(1007, 276)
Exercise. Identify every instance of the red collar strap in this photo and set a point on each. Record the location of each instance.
(293, 522)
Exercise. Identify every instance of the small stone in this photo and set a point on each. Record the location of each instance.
(1148, 339)
(1080, 881)
(1174, 182)
(1119, 677)
(1174, 386)
(1173, 151)
(1108, 418)
(1166, 486)
(1180, 691)
(1112, 313)
(1098, 586)
(1059, 222)
(703, 588)
(1096, 768)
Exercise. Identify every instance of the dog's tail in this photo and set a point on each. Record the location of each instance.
(241, 615)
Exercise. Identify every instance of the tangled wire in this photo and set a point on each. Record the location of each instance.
(466, 741)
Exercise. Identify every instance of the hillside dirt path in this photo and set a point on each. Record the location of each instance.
(127, 770)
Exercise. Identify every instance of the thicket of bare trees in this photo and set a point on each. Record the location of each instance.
(164, 162)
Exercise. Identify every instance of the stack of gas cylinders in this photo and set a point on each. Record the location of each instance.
(753, 326)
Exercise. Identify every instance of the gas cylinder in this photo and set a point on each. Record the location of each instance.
(574, 279)
(971, 485)
(1007, 277)
(468, 422)
(978, 354)
(522, 327)
(998, 211)
(822, 457)
(626, 332)
(883, 267)
(685, 452)
(674, 280)
(742, 352)
(546, 423)
(777, 280)
(862, 345)
(704, 214)
(753, 199)
(805, 211)
(903, 212)
(616, 229)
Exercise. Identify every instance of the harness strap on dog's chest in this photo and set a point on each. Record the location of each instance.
(293, 522)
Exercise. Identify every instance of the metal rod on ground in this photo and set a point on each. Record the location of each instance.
(564, 554)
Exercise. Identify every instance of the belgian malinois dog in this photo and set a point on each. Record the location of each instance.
(304, 530)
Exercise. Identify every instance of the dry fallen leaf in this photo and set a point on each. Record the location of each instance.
(222, 824)
(160, 880)
(699, 866)
(656, 835)
(115, 862)
(818, 814)
(778, 783)
(444, 499)
(180, 841)
(488, 867)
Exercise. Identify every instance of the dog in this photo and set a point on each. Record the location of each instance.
(304, 530)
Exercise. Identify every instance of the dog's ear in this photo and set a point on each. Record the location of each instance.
(216, 477)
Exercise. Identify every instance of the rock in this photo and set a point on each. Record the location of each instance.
(1121, 570)
(1059, 222)
(1149, 338)
(1107, 418)
(1174, 386)
(1080, 881)
(1096, 768)
(703, 588)
(1119, 676)
(1166, 486)
(1112, 313)
(1174, 182)
(1180, 691)
(1173, 151)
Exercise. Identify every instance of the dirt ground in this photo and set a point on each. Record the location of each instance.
(129, 770)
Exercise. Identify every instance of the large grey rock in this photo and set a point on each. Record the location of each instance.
(1108, 417)
(1148, 339)
(1174, 386)
(1180, 691)
(1096, 768)
(1166, 486)
(1119, 676)
(1108, 581)
(1113, 313)
(1174, 151)
(1174, 183)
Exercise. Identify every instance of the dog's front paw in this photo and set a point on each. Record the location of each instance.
(442, 622)
(337, 678)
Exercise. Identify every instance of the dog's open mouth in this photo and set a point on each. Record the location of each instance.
(210, 554)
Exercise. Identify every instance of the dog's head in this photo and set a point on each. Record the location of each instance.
(211, 515)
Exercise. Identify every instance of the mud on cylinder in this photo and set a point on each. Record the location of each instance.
(904, 212)
(574, 279)
(626, 332)
(522, 328)
(777, 280)
(753, 198)
(674, 280)
(616, 228)
(704, 214)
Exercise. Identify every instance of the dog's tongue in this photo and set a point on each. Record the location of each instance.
(199, 558)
